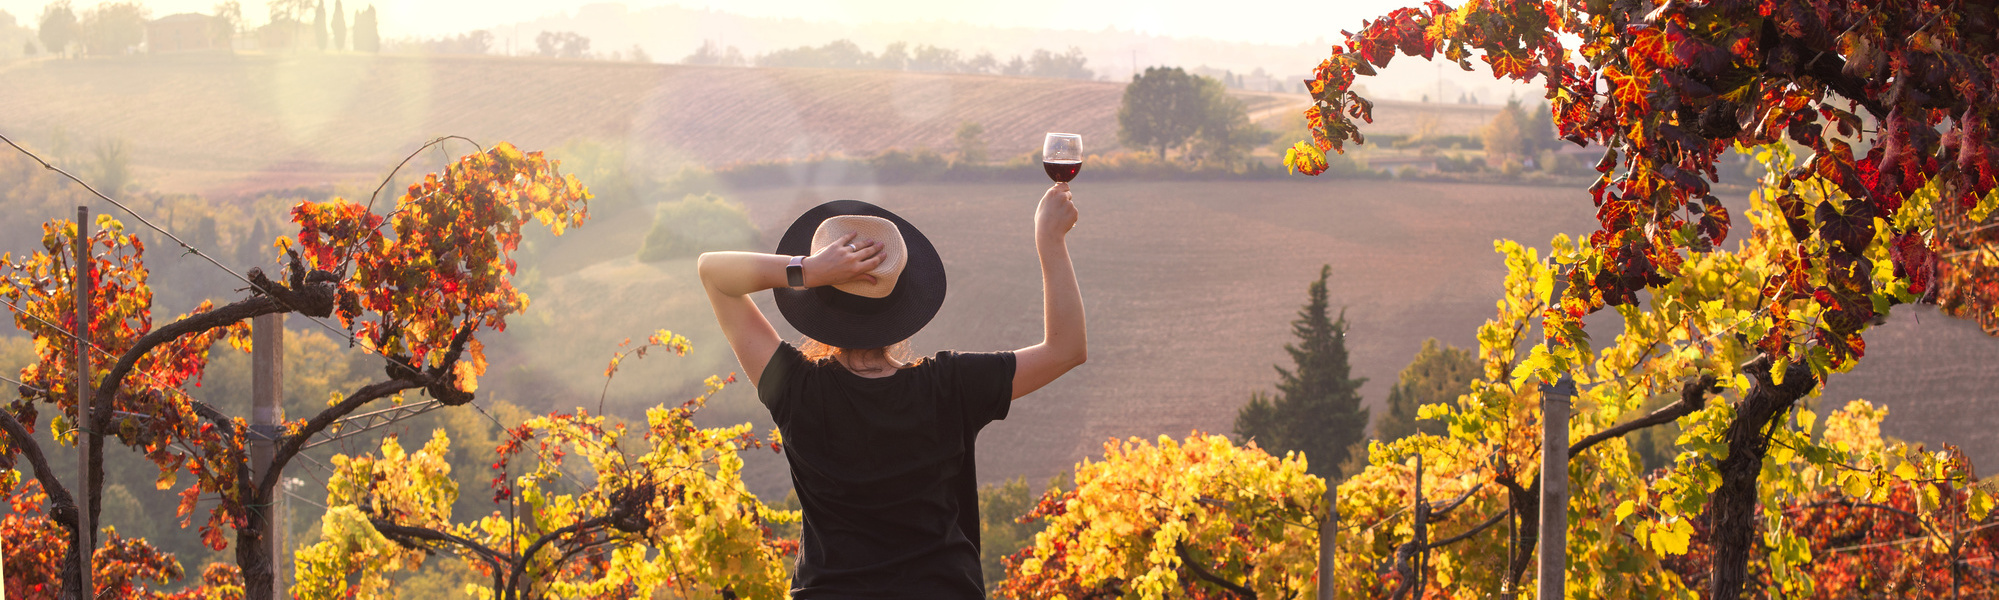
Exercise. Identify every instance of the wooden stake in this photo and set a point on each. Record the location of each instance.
(267, 412)
(1554, 548)
(1329, 539)
(1422, 528)
(86, 531)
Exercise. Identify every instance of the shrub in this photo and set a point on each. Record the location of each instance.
(1459, 164)
(616, 180)
(696, 224)
(902, 166)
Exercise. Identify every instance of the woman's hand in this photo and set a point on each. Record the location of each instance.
(1057, 213)
(845, 260)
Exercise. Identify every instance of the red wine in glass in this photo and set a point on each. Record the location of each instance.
(1062, 170)
(1062, 156)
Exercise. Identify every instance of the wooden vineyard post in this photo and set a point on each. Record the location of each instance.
(1554, 536)
(1554, 548)
(267, 412)
(86, 538)
(1329, 539)
(1422, 529)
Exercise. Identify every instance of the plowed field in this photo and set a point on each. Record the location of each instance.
(218, 124)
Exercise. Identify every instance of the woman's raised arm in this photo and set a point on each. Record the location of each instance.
(730, 278)
(1064, 344)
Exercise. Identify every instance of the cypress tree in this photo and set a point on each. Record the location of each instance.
(367, 38)
(250, 251)
(1316, 409)
(319, 25)
(339, 27)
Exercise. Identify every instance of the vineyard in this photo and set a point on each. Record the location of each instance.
(1205, 307)
(1682, 389)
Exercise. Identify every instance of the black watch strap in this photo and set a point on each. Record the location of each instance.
(794, 273)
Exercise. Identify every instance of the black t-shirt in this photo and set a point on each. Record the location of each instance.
(884, 468)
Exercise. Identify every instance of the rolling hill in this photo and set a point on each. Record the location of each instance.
(223, 125)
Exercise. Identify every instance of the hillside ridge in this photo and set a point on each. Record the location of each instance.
(217, 124)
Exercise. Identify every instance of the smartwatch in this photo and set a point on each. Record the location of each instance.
(794, 273)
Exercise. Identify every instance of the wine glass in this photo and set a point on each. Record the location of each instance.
(1062, 156)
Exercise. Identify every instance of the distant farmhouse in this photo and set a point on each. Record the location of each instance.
(185, 32)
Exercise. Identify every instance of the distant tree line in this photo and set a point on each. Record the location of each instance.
(15, 40)
(473, 42)
(113, 28)
(306, 24)
(900, 56)
(547, 44)
(1257, 80)
(110, 28)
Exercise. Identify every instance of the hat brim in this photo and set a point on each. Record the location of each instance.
(844, 320)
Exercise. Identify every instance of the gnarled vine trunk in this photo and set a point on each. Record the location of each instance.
(1733, 507)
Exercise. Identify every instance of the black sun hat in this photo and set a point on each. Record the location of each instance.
(845, 320)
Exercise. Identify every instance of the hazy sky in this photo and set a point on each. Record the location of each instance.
(1265, 21)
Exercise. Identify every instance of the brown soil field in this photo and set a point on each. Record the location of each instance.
(1396, 117)
(218, 125)
(1391, 117)
(1190, 289)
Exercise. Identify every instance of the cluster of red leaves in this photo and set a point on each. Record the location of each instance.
(1670, 90)
(124, 567)
(130, 564)
(449, 262)
(220, 581)
(36, 545)
(152, 413)
(1863, 549)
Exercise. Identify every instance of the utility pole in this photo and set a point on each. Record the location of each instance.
(1440, 85)
(267, 411)
(1555, 486)
(86, 538)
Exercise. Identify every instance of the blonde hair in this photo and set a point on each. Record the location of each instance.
(893, 356)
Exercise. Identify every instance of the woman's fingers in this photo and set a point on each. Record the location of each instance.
(864, 249)
(842, 244)
(857, 256)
